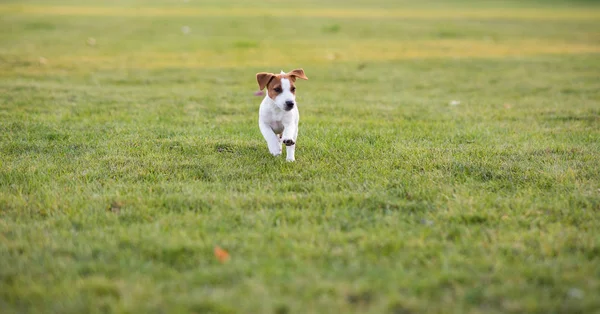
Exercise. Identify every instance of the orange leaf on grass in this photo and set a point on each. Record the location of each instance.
(221, 255)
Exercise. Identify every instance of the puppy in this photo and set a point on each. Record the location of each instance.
(278, 114)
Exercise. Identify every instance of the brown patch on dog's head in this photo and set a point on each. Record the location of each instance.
(263, 79)
(273, 81)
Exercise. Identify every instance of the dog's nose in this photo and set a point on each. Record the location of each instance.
(289, 104)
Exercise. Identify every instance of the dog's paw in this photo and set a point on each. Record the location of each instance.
(275, 150)
(288, 142)
(290, 159)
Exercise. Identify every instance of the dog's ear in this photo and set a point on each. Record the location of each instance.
(297, 73)
(263, 79)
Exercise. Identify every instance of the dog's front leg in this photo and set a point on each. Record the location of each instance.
(271, 138)
(290, 133)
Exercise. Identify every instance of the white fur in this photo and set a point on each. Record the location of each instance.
(273, 120)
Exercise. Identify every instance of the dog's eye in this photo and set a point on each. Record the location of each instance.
(293, 89)
(277, 89)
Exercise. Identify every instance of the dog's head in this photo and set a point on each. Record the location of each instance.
(280, 87)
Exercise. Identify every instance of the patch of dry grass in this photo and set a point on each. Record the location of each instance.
(305, 52)
(538, 14)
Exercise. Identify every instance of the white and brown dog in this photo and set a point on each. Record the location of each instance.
(278, 115)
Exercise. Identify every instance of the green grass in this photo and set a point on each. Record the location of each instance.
(129, 150)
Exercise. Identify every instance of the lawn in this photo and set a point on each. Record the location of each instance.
(448, 159)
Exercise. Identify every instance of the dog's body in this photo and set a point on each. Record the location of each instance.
(278, 115)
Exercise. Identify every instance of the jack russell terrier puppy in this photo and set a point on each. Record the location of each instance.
(278, 114)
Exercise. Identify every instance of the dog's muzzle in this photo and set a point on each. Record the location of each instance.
(289, 105)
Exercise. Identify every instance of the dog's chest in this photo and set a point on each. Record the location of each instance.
(275, 118)
(277, 127)
(275, 121)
